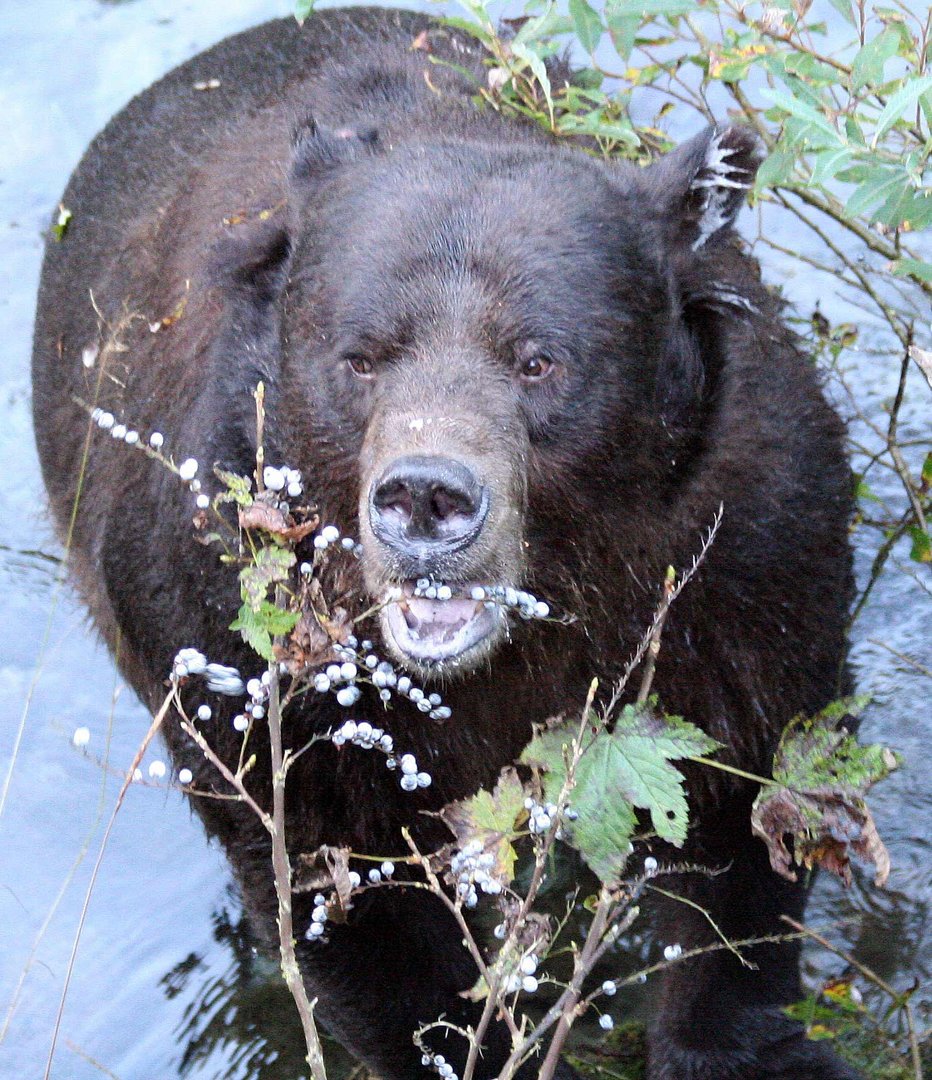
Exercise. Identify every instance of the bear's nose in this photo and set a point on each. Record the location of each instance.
(424, 503)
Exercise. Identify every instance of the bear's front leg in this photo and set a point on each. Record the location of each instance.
(719, 1019)
(398, 964)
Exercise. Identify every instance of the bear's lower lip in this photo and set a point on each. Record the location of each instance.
(437, 631)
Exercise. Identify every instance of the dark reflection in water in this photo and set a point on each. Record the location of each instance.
(240, 1021)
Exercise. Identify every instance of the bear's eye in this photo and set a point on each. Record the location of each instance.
(534, 368)
(360, 365)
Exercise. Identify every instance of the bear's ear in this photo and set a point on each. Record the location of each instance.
(703, 183)
(254, 263)
(316, 149)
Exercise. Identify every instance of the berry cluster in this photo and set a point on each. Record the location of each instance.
(542, 816)
(439, 1064)
(524, 977)
(471, 868)
(524, 603)
(358, 661)
(283, 479)
(318, 924)
(367, 737)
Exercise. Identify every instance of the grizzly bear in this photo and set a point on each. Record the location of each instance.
(498, 361)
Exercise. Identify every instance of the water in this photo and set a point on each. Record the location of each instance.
(166, 982)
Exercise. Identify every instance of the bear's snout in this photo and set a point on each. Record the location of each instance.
(425, 505)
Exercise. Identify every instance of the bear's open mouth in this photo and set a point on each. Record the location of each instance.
(433, 631)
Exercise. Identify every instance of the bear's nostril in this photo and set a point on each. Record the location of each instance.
(427, 501)
(446, 503)
(394, 499)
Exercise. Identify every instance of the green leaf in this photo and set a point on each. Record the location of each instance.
(270, 566)
(587, 24)
(618, 771)
(646, 10)
(902, 100)
(802, 111)
(62, 221)
(258, 627)
(302, 9)
(536, 63)
(821, 775)
(843, 7)
(921, 550)
(622, 28)
(926, 474)
(826, 163)
(906, 206)
(238, 488)
(480, 32)
(542, 28)
(879, 183)
(912, 268)
(867, 66)
(493, 820)
(777, 169)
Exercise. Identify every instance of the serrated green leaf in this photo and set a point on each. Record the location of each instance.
(802, 111)
(903, 99)
(587, 24)
(258, 626)
(883, 182)
(620, 770)
(253, 632)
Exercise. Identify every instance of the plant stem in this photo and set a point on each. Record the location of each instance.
(281, 865)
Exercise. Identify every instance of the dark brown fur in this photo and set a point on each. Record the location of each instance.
(444, 233)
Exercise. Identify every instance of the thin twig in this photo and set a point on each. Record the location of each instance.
(150, 735)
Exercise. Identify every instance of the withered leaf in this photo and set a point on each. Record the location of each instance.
(325, 868)
(822, 775)
(259, 515)
(308, 645)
